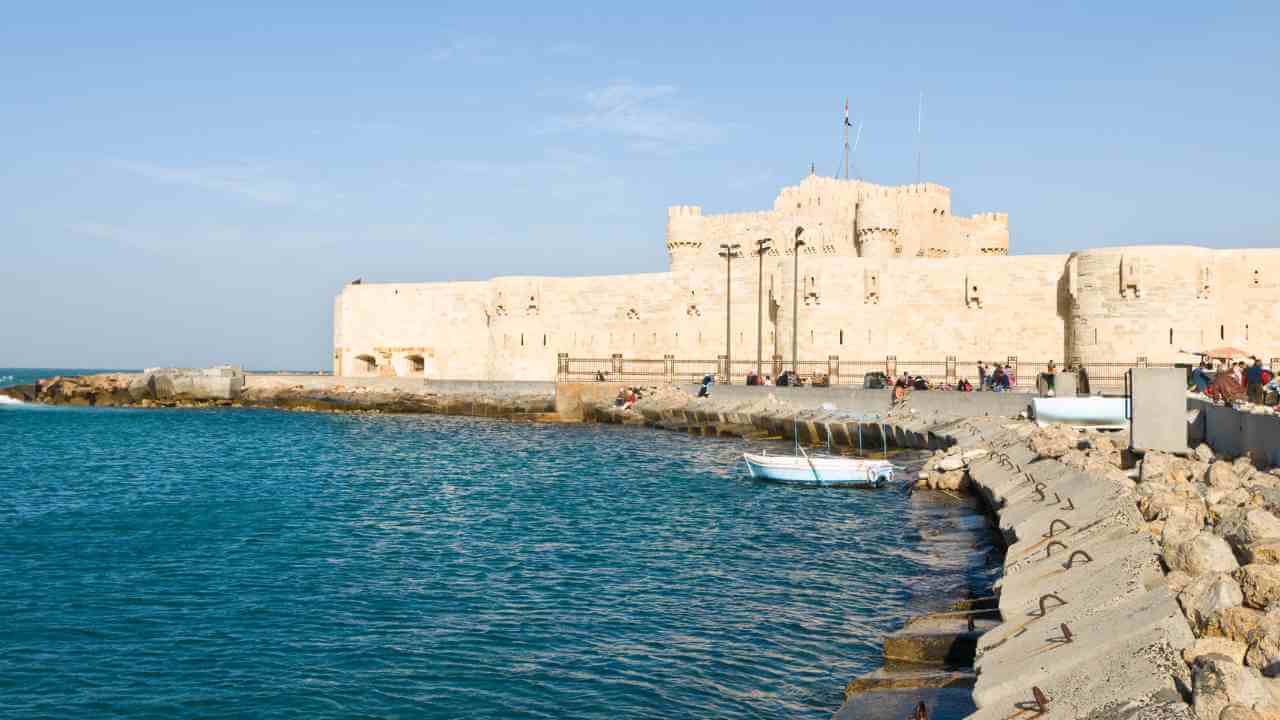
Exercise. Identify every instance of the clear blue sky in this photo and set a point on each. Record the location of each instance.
(187, 185)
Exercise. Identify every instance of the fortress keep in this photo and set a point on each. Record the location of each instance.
(882, 271)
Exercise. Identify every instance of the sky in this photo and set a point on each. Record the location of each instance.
(185, 185)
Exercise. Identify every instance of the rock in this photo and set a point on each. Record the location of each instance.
(1260, 584)
(1246, 526)
(1204, 453)
(1231, 649)
(1169, 469)
(1053, 441)
(1235, 711)
(1203, 554)
(950, 462)
(1223, 475)
(1177, 581)
(1164, 505)
(1265, 552)
(1207, 597)
(1263, 653)
(955, 480)
(1217, 683)
(1180, 528)
(1234, 623)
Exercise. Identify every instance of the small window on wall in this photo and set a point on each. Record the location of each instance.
(1222, 332)
(1170, 336)
(841, 337)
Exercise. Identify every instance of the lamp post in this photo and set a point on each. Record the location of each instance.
(763, 245)
(795, 303)
(728, 252)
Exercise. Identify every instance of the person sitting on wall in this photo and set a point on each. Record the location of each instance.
(965, 385)
(1009, 377)
(752, 377)
(1200, 378)
(999, 381)
(1225, 389)
(768, 379)
(784, 378)
(920, 383)
(705, 390)
(599, 376)
(631, 399)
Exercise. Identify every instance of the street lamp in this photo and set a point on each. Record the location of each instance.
(763, 245)
(795, 304)
(728, 252)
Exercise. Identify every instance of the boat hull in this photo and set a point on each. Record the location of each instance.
(819, 471)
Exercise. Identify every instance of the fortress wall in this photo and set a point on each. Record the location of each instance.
(441, 322)
(922, 311)
(1161, 300)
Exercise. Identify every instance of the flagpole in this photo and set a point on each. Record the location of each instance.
(846, 138)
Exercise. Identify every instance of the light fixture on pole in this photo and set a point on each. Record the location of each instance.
(795, 304)
(728, 252)
(763, 245)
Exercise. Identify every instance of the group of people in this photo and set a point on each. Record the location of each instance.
(785, 378)
(997, 377)
(1231, 381)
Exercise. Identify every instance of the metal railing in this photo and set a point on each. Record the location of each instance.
(835, 371)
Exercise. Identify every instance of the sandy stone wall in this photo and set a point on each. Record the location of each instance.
(884, 271)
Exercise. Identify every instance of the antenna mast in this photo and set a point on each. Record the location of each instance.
(919, 125)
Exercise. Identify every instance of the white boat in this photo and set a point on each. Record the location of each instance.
(803, 469)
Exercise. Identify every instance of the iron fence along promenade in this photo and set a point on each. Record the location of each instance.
(837, 371)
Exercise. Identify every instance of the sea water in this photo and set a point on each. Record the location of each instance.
(253, 563)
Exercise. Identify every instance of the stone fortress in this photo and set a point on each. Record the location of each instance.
(882, 271)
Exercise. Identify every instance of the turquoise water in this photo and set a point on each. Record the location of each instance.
(249, 563)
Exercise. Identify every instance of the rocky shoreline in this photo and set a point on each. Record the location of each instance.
(230, 388)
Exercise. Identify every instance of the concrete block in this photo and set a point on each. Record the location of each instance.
(1157, 409)
(1111, 638)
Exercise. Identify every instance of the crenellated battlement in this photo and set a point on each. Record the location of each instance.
(853, 217)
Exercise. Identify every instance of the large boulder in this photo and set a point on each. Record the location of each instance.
(1234, 623)
(1053, 441)
(1260, 585)
(1263, 652)
(1207, 597)
(1163, 505)
(1223, 475)
(1264, 552)
(1246, 526)
(1235, 651)
(1169, 469)
(1203, 554)
(1216, 683)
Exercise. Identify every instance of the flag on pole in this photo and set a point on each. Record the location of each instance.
(846, 113)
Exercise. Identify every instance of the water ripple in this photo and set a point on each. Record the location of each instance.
(235, 563)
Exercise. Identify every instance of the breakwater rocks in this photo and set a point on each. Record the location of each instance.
(231, 387)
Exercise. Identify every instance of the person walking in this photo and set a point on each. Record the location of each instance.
(982, 376)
